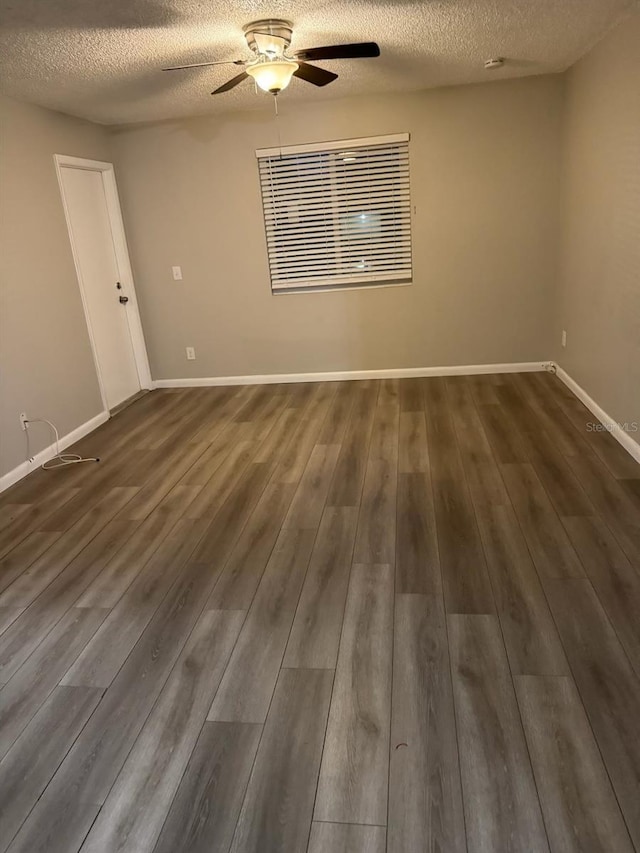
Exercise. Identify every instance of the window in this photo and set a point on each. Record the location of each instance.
(337, 214)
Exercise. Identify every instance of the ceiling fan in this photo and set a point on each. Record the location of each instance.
(272, 67)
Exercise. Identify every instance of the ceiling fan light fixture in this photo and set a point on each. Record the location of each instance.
(272, 75)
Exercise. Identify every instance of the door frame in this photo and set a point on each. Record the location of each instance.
(107, 173)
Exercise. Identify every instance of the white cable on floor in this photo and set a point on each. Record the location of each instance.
(60, 459)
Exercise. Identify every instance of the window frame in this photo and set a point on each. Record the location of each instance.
(401, 276)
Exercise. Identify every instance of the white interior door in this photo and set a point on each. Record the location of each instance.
(104, 296)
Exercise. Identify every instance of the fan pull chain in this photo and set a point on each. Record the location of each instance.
(277, 115)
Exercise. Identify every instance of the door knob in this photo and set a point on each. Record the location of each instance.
(123, 299)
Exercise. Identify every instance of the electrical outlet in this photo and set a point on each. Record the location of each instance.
(177, 273)
(564, 337)
(23, 420)
(191, 354)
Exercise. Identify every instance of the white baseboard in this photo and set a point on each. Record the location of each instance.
(67, 440)
(624, 438)
(345, 375)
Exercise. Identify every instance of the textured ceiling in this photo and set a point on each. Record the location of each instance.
(101, 59)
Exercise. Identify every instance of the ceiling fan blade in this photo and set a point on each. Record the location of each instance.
(361, 50)
(312, 74)
(230, 84)
(205, 64)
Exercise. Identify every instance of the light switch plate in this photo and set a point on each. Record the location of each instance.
(177, 273)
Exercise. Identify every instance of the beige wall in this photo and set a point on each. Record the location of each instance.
(46, 364)
(485, 175)
(599, 297)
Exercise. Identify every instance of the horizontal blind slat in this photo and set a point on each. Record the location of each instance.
(331, 167)
(353, 264)
(340, 223)
(314, 230)
(400, 254)
(346, 159)
(332, 247)
(311, 176)
(368, 249)
(372, 209)
(301, 184)
(391, 195)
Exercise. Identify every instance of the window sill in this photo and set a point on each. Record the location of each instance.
(351, 288)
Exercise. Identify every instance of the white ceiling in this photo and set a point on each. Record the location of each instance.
(101, 59)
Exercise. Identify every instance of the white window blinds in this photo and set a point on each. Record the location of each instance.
(337, 214)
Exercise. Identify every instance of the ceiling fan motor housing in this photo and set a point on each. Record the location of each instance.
(270, 37)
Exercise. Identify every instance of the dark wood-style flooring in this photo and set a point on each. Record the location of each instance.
(357, 617)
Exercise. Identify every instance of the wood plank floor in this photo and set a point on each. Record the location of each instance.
(398, 615)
